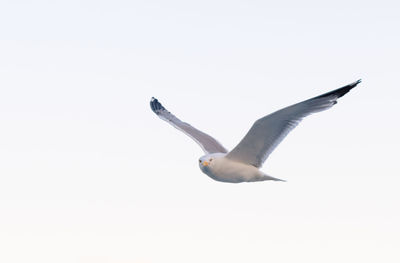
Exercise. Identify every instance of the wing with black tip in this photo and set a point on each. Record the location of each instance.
(206, 142)
(267, 132)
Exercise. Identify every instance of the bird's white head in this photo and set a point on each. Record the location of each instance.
(207, 161)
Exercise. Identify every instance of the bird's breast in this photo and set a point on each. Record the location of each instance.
(225, 170)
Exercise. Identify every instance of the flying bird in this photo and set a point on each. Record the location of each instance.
(243, 162)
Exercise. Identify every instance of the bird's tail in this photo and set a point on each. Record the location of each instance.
(267, 177)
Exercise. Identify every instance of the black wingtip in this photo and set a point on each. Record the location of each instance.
(153, 104)
(156, 106)
(355, 83)
(341, 91)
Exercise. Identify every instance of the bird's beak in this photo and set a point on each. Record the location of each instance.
(205, 163)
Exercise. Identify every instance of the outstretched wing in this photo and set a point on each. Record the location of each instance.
(267, 132)
(206, 142)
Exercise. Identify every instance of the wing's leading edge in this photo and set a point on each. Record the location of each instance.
(206, 142)
(267, 132)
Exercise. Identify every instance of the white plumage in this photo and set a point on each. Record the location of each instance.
(243, 162)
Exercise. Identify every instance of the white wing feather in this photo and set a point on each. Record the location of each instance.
(206, 142)
(267, 132)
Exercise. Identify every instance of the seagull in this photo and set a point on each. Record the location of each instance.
(243, 163)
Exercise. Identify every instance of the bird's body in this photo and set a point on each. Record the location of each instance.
(222, 169)
(242, 163)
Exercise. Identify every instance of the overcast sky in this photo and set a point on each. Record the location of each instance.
(89, 174)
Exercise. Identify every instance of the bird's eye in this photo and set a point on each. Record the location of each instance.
(199, 161)
(210, 159)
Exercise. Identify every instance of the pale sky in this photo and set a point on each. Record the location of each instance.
(89, 174)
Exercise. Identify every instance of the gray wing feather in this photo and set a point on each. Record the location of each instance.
(206, 142)
(267, 132)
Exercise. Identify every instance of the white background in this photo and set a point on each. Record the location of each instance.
(89, 174)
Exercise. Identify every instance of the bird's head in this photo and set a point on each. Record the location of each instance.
(205, 162)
